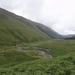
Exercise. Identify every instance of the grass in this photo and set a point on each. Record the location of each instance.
(59, 47)
(14, 62)
(12, 55)
(13, 31)
(64, 65)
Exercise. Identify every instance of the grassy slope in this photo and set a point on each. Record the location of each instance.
(12, 31)
(59, 65)
(49, 31)
(15, 28)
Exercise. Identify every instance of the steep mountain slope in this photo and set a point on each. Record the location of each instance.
(15, 28)
(51, 33)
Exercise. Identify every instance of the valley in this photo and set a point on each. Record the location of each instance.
(31, 48)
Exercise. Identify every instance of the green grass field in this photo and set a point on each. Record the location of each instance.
(14, 62)
(9, 55)
(59, 47)
(64, 65)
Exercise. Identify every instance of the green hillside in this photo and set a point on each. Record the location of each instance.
(13, 29)
(59, 47)
(51, 33)
(16, 29)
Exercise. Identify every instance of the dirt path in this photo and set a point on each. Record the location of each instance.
(40, 53)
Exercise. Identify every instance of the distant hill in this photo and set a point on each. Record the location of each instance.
(16, 29)
(70, 37)
(51, 33)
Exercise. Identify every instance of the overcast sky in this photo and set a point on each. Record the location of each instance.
(56, 14)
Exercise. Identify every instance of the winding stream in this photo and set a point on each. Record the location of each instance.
(40, 53)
